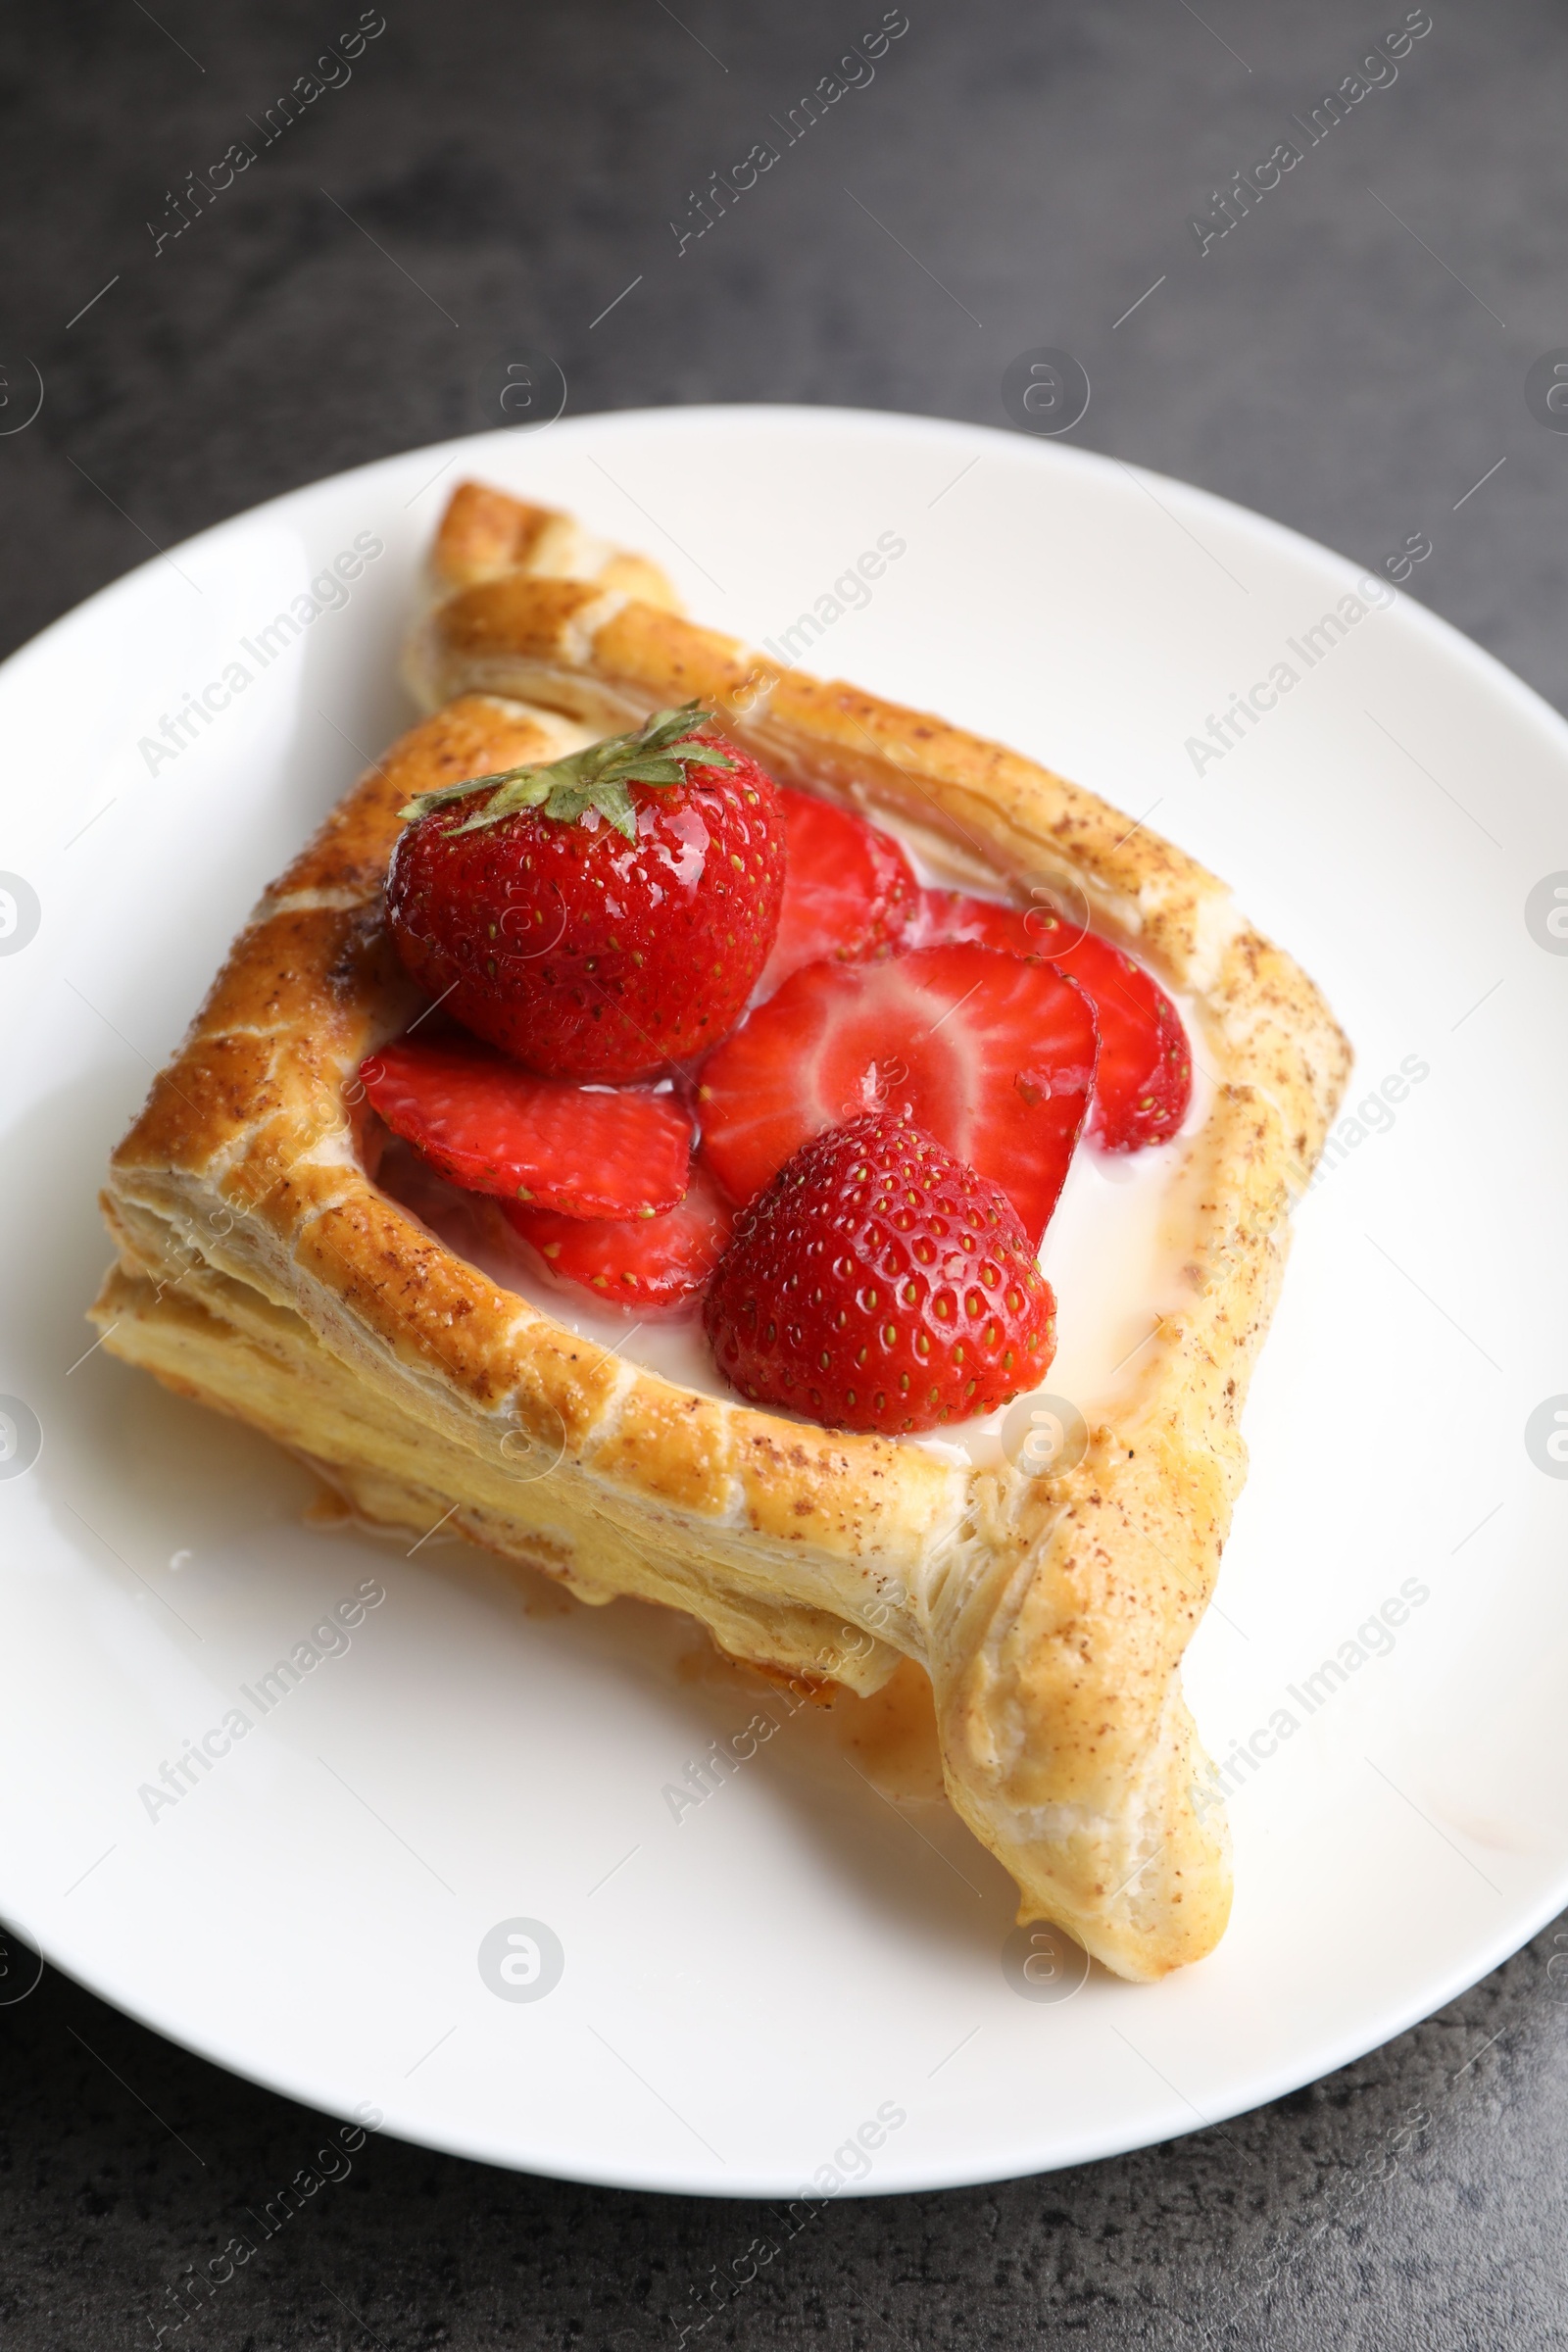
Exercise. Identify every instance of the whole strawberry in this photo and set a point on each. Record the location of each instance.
(602, 917)
(878, 1283)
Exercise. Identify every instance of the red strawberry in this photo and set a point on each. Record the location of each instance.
(992, 1056)
(879, 1283)
(638, 1261)
(1145, 1079)
(601, 916)
(493, 1128)
(849, 888)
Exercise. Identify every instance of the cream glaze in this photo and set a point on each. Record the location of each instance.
(1116, 1252)
(1049, 1608)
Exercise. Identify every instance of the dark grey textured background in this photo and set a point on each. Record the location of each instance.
(1350, 360)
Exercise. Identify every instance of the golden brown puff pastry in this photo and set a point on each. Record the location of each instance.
(261, 1269)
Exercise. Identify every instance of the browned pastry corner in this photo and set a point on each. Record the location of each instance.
(262, 1271)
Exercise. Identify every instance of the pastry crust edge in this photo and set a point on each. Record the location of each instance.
(1051, 1615)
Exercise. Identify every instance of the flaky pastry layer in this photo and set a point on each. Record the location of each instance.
(261, 1269)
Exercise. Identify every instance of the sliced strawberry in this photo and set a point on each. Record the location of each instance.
(849, 888)
(992, 1056)
(946, 917)
(1145, 1080)
(637, 1261)
(493, 1128)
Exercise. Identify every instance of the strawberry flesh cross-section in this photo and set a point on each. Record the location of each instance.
(849, 889)
(991, 1055)
(581, 1152)
(652, 1263)
(1144, 1083)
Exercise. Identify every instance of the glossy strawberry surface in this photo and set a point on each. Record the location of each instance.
(879, 1283)
(649, 1262)
(849, 889)
(1144, 1083)
(492, 1128)
(583, 954)
(991, 1055)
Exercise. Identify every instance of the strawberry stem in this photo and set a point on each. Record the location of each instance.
(596, 778)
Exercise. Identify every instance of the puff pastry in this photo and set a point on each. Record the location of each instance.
(262, 1271)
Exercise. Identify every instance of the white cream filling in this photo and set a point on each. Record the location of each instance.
(1115, 1253)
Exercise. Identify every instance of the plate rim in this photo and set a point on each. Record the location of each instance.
(1332, 2052)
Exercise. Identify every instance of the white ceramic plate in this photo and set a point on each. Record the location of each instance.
(744, 1987)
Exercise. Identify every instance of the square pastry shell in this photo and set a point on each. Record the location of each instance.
(262, 1270)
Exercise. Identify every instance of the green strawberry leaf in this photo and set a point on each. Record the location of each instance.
(615, 805)
(594, 777)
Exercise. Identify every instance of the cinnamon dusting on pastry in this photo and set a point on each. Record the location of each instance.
(262, 1271)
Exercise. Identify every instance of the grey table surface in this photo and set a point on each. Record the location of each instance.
(1350, 359)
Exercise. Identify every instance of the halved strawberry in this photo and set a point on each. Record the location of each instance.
(1145, 1080)
(992, 1056)
(637, 1261)
(493, 1128)
(849, 888)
